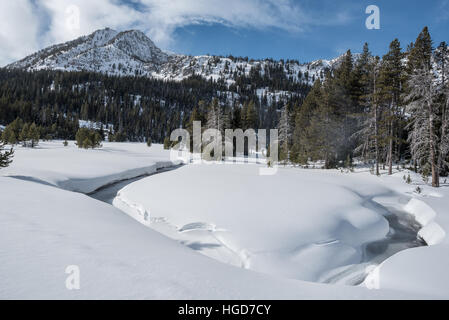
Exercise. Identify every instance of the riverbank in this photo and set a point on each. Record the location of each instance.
(313, 225)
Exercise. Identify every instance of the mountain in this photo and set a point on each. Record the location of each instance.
(105, 51)
(131, 53)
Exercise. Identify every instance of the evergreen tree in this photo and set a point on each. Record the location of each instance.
(236, 122)
(304, 141)
(442, 62)
(392, 78)
(424, 114)
(25, 134)
(12, 132)
(369, 134)
(249, 115)
(88, 138)
(284, 134)
(326, 128)
(340, 91)
(213, 116)
(167, 143)
(34, 135)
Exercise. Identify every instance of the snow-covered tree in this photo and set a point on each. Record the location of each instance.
(212, 117)
(442, 63)
(284, 134)
(423, 88)
(5, 156)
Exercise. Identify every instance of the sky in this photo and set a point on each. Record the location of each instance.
(305, 30)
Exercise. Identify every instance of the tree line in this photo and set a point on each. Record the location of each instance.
(381, 110)
(131, 108)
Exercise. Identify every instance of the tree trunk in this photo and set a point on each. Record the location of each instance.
(433, 160)
(376, 124)
(444, 124)
(390, 150)
(376, 132)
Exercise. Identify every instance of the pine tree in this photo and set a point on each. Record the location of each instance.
(167, 143)
(303, 146)
(442, 62)
(88, 138)
(8, 135)
(12, 131)
(284, 134)
(213, 116)
(341, 92)
(34, 135)
(392, 78)
(24, 135)
(326, 124)
(250, 114)
(368, 136)
(423, 137)
(236, 122)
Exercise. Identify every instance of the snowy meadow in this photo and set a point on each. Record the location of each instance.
(137, 225)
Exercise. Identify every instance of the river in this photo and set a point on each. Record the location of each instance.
(403, 234)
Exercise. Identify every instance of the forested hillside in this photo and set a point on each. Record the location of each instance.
(136, 107)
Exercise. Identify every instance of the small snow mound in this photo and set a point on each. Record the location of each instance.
(134, 210)
(431, 232)
(422, 212)
(372, 280)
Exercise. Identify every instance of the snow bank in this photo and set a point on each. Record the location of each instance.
(44, 229)
(431, 232)
(297, 224)
(419, 270)
(82, 170)
(293, 226)
(135, 210)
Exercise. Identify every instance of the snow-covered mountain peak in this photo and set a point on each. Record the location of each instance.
(137, 45)
(132, 53)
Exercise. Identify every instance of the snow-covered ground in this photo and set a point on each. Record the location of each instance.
(82, 170)
(303, 224)
(273, 232)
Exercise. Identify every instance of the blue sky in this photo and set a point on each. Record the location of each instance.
(399, 19)
(297, 29)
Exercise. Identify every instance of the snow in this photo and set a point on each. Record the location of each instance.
(45, 228)
(421, 270)
(431, 232)
(82, 170)
(95, 125)
(207, 231)
(310, 225)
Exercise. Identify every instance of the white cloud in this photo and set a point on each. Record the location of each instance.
(18, 30)
(166, 16)
(27, 25)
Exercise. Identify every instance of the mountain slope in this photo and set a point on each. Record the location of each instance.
(130, 53)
